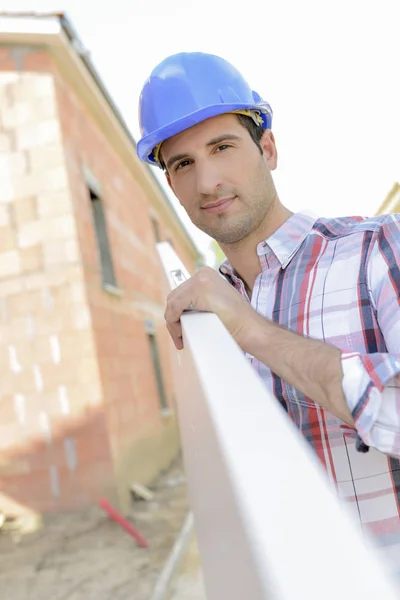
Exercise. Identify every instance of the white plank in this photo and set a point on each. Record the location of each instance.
(268, 524)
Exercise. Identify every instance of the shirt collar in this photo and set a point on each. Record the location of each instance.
(285, 241)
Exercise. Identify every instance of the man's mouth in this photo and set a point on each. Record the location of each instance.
(219, 205)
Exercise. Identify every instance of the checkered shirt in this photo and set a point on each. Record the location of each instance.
(338, 280)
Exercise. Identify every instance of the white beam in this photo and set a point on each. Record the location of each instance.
(268, 524)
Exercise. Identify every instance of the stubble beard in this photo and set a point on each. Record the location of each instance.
(253, 212)
(233, 229)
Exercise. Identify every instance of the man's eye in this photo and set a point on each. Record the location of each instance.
(222, 147)
(182, 164)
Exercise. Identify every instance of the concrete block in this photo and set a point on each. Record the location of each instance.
(31, 258)
(24, 210)
(11, 287)
(8, 77)
(40, 181)
(82, 318)
(44, 86)
(10, 264)
(72, 250)
(30, 234)
(23, 113)
(51, 204)
(7, 239)
(46, 280)
(17, 115)
(77, 292)
(63, 226)
(4, 215)
(6, 187)
(27, 184)
(6, 192)
(46, 157)
(44, 108)
(54, 179)
(48, 131)
(30, 85)
(22, 304)
(5, 142)
(59, 252)
(38, 134)
(18, 162)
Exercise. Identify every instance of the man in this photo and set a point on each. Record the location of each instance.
(313, 302)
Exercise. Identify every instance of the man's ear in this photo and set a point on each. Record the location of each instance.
(267, 143)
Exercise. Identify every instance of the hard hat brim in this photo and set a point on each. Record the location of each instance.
(147, 144)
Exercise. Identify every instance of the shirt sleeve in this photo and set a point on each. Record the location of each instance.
(371, 382)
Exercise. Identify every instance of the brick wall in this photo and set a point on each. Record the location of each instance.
(79, 407)
(49, 392)
(142, 440)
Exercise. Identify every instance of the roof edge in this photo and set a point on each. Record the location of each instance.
(63, 23)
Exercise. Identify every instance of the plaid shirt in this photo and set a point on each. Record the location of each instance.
(338, 280)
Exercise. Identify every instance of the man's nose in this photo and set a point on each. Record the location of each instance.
(208, 178)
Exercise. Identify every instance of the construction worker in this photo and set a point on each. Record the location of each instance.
(313, 302)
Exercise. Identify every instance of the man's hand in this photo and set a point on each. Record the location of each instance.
(309, 365)
(207, 291)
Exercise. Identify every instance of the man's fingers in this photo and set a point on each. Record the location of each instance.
(175, 331)
(176, 304)
(181, 299)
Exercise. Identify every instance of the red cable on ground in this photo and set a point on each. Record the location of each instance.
(116, 516)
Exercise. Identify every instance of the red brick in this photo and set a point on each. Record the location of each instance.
(32, 489)
(7, 62)
(38, 61)
(43, 455)
(96, 476)
(92, 448)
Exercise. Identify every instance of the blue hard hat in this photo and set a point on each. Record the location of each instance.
(187, 88)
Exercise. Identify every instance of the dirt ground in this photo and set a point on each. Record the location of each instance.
(188, 583)
(85, 556)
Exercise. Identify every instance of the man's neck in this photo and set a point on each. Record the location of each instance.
(243, 255)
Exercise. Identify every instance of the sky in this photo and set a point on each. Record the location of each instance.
(329, 69)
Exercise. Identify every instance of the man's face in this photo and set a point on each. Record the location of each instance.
(219, 176)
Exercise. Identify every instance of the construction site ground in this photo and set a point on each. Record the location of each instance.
(188, 583)
(86, 556)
